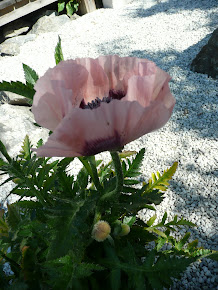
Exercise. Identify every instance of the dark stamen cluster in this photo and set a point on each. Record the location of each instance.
(113, 95)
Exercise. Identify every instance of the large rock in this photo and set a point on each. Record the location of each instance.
(15, 123)
(11, 46)
(206, 61)
(49, 23)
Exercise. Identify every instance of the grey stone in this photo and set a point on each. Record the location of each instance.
(13, 99)
(16, 28)
(15, 123)
(49, 23)
(201, 280)
(206, 61)
(11, 46)
(4, 99)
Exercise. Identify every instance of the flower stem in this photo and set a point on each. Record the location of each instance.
(118, 170)
(90, 165)
(95, 178)
(108, 196)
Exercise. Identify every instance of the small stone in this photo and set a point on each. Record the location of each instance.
(201, 280)
(205, 269)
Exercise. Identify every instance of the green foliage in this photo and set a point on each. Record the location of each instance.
(25, 90)
(30, 75)
(161, 181)
(71, 6)
(49, 229)
(58, 51)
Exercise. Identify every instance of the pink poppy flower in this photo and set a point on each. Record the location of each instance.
(94, 105)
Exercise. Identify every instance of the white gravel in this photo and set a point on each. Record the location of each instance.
(170, 33)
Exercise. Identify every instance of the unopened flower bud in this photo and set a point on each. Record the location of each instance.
(101, 231)
(125, 230)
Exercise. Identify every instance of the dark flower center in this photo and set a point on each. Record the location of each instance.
(113, 95)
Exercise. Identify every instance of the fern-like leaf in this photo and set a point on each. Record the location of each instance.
(25, 90)
(134, 166)
(26, 152)
(161, 181)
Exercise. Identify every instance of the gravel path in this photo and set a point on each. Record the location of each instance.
(170, 33)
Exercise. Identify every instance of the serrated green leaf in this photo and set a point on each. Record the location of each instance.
(156, 231)
(149, 207)
(135, 165)
(25, 90)
(151, 220)
(192, 245)
(83, 178)
(161, 182)
(182, 242)
(184, 222)
(26, 152)
(4, 152)
(164, 218)
(160, 243)
(30, 75)
(58, 52)
(181, 222)
(154, 177)
(213, 256)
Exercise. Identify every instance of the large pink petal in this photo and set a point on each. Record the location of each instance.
(147, 88)
(140, 89)
(60, 89)
(97, 82)
(120, 69)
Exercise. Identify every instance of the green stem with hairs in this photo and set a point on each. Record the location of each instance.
(90, 165)
(114, 193)
(95, 178)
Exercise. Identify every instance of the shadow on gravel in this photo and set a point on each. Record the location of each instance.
(194, 202)
(174, 6)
